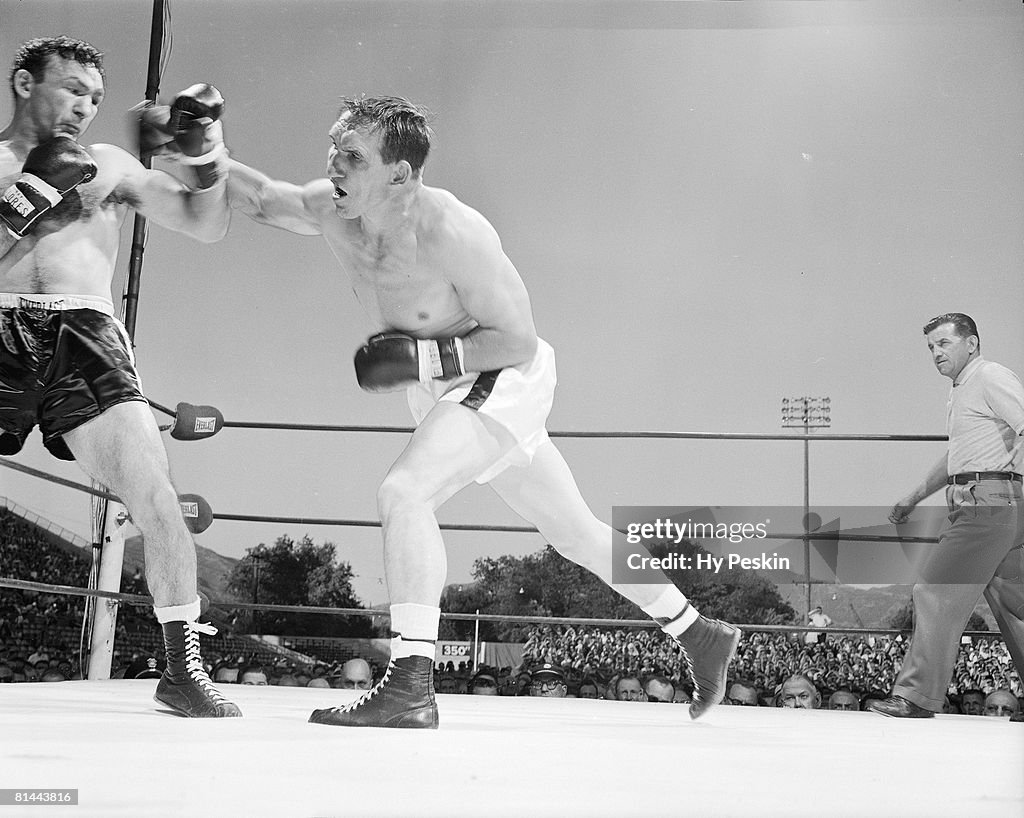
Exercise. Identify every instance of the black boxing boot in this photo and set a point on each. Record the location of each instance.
(403, 698)
(185, 686)
(709, 646)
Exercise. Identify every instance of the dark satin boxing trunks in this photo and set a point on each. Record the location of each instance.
(63, 361)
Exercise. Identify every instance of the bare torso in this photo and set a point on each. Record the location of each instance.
(405, 281)
(73, 248)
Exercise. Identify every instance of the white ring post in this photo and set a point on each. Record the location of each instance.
(104, 623)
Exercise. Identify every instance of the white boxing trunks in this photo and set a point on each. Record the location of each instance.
(519, 398)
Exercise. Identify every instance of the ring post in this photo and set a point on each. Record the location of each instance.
(104, 623)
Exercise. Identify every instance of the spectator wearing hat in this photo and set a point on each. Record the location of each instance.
(548, 681)
(484, 683)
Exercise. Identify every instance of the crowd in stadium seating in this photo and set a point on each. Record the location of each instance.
(864, 665)
(40, 638)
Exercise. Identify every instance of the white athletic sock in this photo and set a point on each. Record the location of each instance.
(672, 610)
(188, 612)
(415, 630)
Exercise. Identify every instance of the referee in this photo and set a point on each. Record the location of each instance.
(980, 547)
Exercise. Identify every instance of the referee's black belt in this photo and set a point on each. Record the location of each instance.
(974, 476)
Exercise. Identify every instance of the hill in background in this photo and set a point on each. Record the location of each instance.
(213, 568)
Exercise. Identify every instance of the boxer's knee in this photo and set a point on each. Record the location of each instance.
(399, 492)
(582, 540)
(154, 504)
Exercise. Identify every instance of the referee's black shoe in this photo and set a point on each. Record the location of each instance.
(900, 708)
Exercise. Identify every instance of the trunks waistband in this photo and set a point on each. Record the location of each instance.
(54, 302)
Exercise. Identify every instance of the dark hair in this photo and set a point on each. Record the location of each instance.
(743, 681)
(964, 324)
(255, 667)
(34, 55)
(402, 125)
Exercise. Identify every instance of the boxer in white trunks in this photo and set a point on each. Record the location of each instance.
(455, 330)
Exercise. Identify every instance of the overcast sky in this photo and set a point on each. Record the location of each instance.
(713, 205)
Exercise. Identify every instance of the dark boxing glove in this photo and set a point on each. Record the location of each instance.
(391, 361)
(194, 121)
(52, 169)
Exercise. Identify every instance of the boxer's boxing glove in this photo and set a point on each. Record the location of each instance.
(391, 361)
(52, 169)
(153, 134)
(194, 121)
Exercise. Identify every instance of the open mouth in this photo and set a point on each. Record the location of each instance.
(339, 192)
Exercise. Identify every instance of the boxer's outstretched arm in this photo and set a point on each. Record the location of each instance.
(202, 214)
(280, 204)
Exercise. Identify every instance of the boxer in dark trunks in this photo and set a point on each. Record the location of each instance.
(65, 360)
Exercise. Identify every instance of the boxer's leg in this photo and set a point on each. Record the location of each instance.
(545, 493)
(450, 447)
(122, 449)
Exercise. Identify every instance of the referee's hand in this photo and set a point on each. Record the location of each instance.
(900, 512)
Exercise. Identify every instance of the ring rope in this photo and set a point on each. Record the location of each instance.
(60, 481)
(513, 529)
(136, 599)
(320, 427)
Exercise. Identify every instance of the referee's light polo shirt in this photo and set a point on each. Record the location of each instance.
(985, 419)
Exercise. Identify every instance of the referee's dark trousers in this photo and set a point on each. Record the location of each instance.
(979, 551)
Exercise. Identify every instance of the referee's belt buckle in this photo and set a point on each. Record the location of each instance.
(975, 476)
